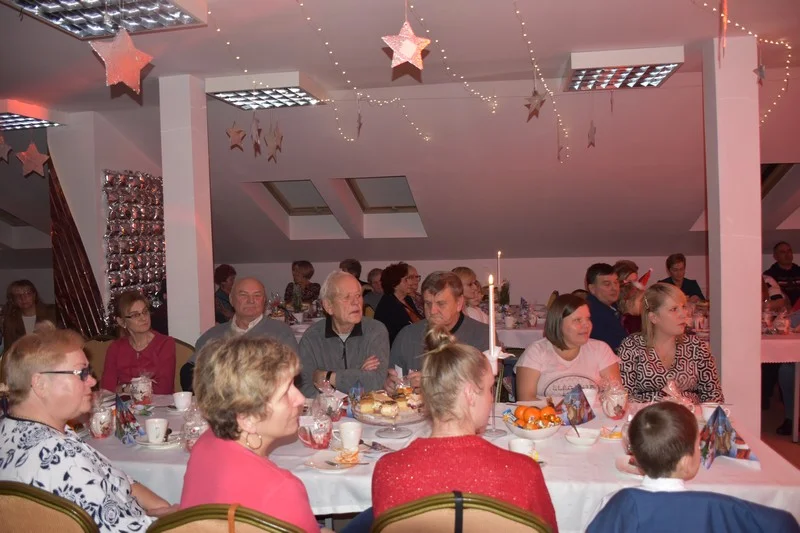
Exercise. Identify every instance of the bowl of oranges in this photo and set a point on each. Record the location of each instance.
(531, 422)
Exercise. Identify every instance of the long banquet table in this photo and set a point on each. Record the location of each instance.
(577, 478)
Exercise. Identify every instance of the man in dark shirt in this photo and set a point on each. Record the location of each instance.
(603, 285)
(784, 271)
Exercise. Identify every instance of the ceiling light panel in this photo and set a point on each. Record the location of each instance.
(12, 121)
(266, 91)
(267, 98)
(96, 19)
(623, 69)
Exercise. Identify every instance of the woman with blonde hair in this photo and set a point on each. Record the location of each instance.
(245, 389)
(663, 352)
(49, 382)
(141, 350)
(457, 385)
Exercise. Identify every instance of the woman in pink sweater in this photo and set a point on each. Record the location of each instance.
(245, 389)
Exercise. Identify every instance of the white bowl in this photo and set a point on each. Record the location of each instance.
(588, 437)
(532, 434)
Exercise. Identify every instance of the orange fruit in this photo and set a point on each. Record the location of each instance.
(531, 413)
(519, 411)
(548, 411)
(520, 423)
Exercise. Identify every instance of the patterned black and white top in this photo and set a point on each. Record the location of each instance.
(694, 370)
(60, 463)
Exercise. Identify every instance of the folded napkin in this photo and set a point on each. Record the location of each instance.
(719, 439)
(498, 354)
(127, 428)
(575, 407)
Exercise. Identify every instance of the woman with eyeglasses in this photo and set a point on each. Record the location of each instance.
(23, 311)
(50, 382)
(140, 350)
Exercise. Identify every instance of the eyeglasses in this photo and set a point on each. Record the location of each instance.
(83, 373)
(413, 278)
(138, 315)
(22, 294)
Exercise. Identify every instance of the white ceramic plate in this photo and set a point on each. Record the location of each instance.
(173, 441)
(317, 461)
(588, 437)
(173, 409)
(626, 468)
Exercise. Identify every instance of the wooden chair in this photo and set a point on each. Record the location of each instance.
(552, 298)
(462, 513)
(95, 349)
(26, 508)
(183, 351)
(220, 518)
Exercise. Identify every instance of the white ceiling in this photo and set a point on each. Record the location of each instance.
(485, 181)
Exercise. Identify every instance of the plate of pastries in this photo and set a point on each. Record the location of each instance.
(380, 409)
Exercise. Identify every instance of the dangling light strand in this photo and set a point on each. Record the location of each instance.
(491, 100)
(359, 94)
(787, 65)
(537, 73)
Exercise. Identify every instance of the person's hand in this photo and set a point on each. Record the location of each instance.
(372, 363)
(415, 377)
(391, 382)
(163, 511)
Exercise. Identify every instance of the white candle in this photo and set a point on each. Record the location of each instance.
(499, 279)
(491, 314)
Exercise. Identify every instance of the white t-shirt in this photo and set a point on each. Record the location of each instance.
(559, 376)
(30, 323)
(475, 313)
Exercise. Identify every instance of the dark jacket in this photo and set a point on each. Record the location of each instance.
(14, 327)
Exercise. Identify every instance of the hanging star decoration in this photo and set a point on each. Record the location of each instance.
(4, 149)
(278, 136)
(32, 160)
(761, 72)
(723, 30)
(236, 135)
(535, 103)
(592, 133)
(359, 124)
(560, 149)
(255, 135)
(406, 46)
(124, 62)
(274, 142)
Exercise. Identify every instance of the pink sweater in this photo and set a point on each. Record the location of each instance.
(223, 471)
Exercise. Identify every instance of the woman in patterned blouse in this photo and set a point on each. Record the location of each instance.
(302, 272)
(50, 381)
(662, 352)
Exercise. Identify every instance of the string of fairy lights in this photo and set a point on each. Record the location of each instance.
(561, 131)
(491, 100)
(360, 94)
(787, 64)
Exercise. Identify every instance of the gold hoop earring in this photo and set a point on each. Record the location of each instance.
(247, 441)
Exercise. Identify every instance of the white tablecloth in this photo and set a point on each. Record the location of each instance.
(577, 478)
(519, 337)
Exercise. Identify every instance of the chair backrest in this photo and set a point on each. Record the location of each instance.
(462, 513)
(218, 518)
(96, 349)
(26, 508)
(552, 298)
(183, 351)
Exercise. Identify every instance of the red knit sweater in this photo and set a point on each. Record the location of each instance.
(468, 464)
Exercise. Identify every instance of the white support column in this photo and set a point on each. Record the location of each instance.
(730, 98)
(187, 206)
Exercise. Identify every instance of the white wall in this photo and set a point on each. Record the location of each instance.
(42, 278)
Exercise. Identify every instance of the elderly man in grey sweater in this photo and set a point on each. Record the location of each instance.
(443, 295)
(249, 302)
(346, 348)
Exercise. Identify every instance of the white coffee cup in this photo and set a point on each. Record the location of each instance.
(510, 322)
(156, 429)
(708, 409)
(183, 400)
(350, 434)
(533, 320)
(523, 446)
(591, 395)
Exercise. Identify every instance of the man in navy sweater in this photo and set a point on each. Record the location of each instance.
(603, 286)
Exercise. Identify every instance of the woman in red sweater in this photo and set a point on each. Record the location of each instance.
(457, 386)
(141, 350)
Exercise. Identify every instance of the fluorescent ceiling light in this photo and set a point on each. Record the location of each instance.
(96, 19)
(16, 115)
(266, 91)
(623, 69)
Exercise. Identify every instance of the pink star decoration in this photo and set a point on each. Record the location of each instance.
(236, 135)
(124, 63)
(274, 142)
(406, 46)
(32, 160)
(534, 105)
(4, 149)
